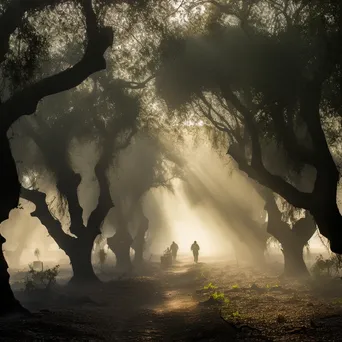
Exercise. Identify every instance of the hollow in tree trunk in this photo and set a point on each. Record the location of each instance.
(80, 260)
(294, 264)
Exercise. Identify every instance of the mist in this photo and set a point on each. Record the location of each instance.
(171, 170)
(206, 202)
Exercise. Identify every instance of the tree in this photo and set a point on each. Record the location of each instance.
(269, 81)
(151, 165)
(292, 240)
(110, 115)
(26, 98)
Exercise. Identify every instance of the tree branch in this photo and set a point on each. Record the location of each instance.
(11, 19)
(257, 170)
(67, 184)
(25, 102)
(256, 160)
(67, 181)
(133, 85)
(288, 138)
(43, 213)
(277, 184)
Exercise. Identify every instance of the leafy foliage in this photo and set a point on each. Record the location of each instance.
(327, 267)
(219, 297)
(44, 279)
(210, 286)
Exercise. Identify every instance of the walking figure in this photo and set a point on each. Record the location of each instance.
(195, 248)
(174, 249)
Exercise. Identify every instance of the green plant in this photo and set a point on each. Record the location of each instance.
(269, 287)
(337, 301)
(327, 267)
(219, 297)
(41, 279)
(236, 314)
(210, 286)
(236, 286)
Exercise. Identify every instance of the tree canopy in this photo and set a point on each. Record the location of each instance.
(262, 84)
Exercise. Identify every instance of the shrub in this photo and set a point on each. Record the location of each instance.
(41, 279)
(328, 267)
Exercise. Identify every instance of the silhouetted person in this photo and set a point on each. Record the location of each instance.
(195, 248)
(174, 249)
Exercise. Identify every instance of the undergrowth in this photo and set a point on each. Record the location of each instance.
(44, 279)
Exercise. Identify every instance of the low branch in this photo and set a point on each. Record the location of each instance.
(67, 184)
(67, 181)
(256, 170)
(275, 225)
(277, 184)
(43, 213)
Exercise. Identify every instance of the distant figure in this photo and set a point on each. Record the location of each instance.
(195, 248)
(174, 249)
(166, 258)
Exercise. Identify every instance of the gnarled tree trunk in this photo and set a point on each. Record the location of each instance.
(294, 264)
(8, 303)
(9, 199)
(139, 248)
(80, 260)
(120, 244)
(329, 221)
(139, 241)
(25, 101)
(292, 240)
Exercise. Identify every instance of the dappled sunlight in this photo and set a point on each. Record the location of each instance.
(179, 270)
(176, 302)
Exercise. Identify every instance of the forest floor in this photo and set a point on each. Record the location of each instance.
(175, 305)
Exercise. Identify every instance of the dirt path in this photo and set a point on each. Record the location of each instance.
(159, 307)
(176, 316)
(167, 305)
